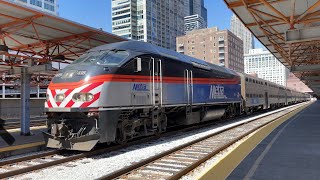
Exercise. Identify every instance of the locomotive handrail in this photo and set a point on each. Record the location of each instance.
(191, 86)
(160, 69)
(187, 86)
(153, 89)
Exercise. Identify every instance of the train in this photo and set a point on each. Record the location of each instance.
(120, 91)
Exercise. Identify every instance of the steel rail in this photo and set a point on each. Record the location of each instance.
(68, 159)
(82, 155)
(96, 152)
(27, 158)
(122, 173)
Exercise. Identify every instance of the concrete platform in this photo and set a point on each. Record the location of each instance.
(291, 151)
(12, 143)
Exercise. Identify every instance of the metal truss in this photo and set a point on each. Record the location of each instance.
(36, 38)
(270, 24)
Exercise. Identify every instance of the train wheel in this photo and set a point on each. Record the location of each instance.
(120, 136)
(162, 127)
(120, 139)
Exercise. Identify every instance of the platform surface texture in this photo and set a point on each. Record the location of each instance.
(291, 151)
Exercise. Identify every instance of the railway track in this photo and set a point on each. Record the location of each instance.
(18, 166)
(181, 160)
(177, 161)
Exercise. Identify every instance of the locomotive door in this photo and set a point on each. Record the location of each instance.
(156, 71)
(266, 97)
(156, 76)
(189, 87)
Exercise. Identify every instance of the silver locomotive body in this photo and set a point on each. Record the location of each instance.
(121, 91)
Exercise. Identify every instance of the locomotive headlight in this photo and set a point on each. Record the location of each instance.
(59, 97)
(82, 97)
(68, 74)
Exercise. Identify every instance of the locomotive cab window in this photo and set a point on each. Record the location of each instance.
(88, 57)
(113, 57)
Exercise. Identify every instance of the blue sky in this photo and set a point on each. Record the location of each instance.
(98, 14)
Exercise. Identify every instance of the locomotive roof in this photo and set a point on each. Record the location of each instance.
(144, 47)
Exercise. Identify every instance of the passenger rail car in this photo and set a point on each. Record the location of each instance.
(261, 94)
(120, 91)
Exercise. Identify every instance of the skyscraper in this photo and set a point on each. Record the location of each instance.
(196, 15)
(243, 33)
(193, 22)
(49, 6)
(156, 21)
(196, 7)
(266, 66)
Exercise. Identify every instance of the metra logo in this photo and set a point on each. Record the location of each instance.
(140, 87)
(217, 92)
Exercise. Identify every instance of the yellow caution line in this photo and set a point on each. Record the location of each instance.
(227, 163)
(23, 146)
(18, 129)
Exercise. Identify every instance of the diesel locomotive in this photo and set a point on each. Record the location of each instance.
(120, 91)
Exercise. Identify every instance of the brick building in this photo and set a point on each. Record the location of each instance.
(212, 45)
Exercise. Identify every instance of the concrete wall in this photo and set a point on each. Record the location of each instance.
(10, 108)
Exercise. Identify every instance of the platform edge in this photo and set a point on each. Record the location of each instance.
(227, 163)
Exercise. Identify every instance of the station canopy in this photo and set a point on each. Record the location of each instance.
(289, 29)
(27, 34)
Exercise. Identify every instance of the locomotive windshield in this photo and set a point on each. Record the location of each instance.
(113, 57)
(109, 57)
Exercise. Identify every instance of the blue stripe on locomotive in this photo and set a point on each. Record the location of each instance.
(202, 93)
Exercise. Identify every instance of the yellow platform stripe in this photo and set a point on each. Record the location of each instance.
(18, 129)
(227, 163)
(22, 146)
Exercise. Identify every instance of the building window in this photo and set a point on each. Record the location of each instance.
(49, 7)
(50, 1)
(36, 3)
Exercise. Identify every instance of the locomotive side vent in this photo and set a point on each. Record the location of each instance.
(140, 98)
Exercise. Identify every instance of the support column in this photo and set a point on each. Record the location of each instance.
(3, 90)
(38, 91)
(25, 102)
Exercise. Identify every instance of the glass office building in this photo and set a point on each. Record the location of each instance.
(156, 21)
(243, 33)
(266, 66)
(49, 6)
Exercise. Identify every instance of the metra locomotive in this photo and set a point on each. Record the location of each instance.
(121, 91)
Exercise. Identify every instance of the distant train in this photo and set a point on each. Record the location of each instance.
(117, 92)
